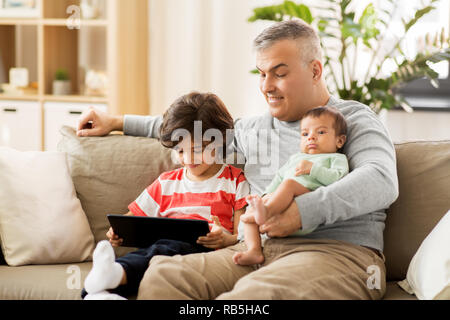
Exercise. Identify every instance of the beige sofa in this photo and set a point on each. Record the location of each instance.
(109, 172)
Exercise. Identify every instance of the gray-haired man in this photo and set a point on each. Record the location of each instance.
(336, 260)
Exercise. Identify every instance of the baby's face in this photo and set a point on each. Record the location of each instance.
(318, 135)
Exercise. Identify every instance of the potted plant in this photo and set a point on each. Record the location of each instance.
(61, 84)
(338, 24)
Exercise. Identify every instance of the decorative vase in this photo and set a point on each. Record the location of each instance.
(89, 9)
(62, 87)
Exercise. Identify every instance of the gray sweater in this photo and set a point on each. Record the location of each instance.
(351, 209)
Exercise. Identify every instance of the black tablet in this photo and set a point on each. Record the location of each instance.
(142, 232)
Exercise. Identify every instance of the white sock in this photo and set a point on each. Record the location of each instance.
(106, 273)
(103, 295)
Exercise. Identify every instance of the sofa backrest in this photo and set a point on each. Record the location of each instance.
(423, 169)
(110, 172)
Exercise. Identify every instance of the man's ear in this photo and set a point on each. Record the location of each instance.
(341, 141)
(317, 70)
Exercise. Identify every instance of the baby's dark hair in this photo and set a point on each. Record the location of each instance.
(195, 106)
(340, 125)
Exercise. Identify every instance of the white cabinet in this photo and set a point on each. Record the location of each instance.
(59, 114)
(21, 125)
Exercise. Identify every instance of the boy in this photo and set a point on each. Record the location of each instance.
(323, 133)
(203, 189)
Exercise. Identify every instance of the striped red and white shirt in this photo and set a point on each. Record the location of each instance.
(173, 195)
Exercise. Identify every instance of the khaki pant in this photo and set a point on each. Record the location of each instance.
(294, 268)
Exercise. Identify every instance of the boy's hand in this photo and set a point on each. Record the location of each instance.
(304, 167)
(114, 238)
(217, 238)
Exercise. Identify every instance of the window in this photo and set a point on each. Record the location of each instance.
(420, 93)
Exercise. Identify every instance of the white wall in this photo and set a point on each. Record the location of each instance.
(204, 45)
(418, 125)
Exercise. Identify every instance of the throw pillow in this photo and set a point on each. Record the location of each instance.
(428, 275)
(41, 219)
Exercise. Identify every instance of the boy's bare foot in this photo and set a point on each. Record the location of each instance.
(261, 212)
(248, 258)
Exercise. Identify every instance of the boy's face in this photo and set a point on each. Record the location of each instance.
(198, 159)
(318, 135)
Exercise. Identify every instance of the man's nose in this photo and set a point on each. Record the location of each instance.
(267, 84)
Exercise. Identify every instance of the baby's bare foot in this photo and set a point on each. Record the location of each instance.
(248, 258)
(261, 213)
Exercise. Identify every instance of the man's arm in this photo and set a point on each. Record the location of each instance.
(142, 126)
(94, 122)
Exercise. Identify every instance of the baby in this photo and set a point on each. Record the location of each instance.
(323, 134)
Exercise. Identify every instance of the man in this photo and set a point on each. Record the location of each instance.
(342, 258)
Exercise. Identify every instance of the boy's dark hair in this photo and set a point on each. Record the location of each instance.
(195, 106)
(340, 125)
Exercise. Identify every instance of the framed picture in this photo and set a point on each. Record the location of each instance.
(19, 8)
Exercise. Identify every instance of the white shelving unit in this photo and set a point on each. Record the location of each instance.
(115, 43)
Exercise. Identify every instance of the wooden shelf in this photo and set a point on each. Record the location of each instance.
(76, 98)
(19, 22)
(52, 22)
(87, 23)
(26, 97)
(115, 44)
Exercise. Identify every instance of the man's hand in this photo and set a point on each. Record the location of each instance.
(94, 122)
(217, 238)
(304, 167)
(280, 225)
(284, 224)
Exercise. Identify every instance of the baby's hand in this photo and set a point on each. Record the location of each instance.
(114, 238)
(304, 167)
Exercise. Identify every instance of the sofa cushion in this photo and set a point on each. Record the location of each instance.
(110, 172)
(424, 182)
(428, 274)
(41, 219)
(394, 292)
(43, 282)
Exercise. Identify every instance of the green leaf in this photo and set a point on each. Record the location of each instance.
(419, 14)
(322, 25)
(368, 21)
(304, 13)
(344, 4)
(290, 8)
(350, 29)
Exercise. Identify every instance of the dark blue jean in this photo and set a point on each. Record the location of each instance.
(136, 263)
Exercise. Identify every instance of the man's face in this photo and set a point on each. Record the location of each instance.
(285, 81)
